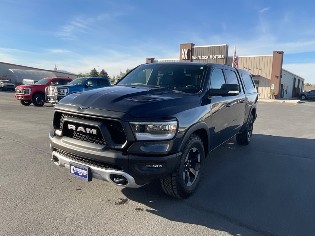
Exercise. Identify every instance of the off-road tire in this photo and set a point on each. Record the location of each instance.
(185, 179)
(245, 136)
(26, 102)
(38, 99)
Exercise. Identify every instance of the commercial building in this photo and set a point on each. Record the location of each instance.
(272, 81)
(17, 73)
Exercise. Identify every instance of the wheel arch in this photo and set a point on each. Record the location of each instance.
(38, 92)
(201, 130)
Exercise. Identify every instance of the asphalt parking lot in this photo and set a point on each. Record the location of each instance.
(266, 188)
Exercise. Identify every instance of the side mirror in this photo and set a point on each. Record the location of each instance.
(89, 84)
(225, 90)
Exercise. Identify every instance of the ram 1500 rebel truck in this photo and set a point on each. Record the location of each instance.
(35, 93)
(55, 93)
(159, 122)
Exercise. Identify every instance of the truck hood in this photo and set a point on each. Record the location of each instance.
(31, 86)
(136, 101)
(68, 86)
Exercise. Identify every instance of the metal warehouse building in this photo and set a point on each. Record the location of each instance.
(16, 73)
(272, 81)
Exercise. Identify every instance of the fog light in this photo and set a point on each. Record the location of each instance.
(155, 147)
(58, 132)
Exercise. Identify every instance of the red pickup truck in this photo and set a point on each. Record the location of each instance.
(35, 93)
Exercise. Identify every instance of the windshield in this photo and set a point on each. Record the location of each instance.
(78, 81)
(42, 81)
(186, 78)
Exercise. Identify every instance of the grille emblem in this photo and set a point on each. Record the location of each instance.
(82, 129)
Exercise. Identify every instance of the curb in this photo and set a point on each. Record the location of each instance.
(280, 101)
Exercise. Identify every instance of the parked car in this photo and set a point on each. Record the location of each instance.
(35, 93)
(159, 122)
(55, 93)
(307, 95)
(5, 85)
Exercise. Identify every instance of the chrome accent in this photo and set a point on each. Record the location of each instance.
(82, 129)
(97, 172)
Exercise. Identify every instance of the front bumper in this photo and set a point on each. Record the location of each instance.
(104, 163)
(53, 98)
(23, 97)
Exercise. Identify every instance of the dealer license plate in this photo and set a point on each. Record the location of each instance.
(80, 171)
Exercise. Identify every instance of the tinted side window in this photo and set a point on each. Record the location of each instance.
(103, 82)
(62, 82)
(217, 79)
(231, 77)
(93, 82)
(248, 82)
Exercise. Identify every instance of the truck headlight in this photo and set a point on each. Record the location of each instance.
(154, 130)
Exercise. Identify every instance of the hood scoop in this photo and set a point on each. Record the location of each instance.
(144, 99)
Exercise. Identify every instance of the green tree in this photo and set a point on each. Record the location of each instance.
(103, 73)
(121, 75)
(83, 74)
(94, 73)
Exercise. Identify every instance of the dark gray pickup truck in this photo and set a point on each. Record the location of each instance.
(159, 122)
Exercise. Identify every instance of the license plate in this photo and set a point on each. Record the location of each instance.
(80, 171)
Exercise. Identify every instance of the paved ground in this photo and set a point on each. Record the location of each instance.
(266, 188)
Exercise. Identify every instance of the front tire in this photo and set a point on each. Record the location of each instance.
(38, 99)
(26, 102)
(185, 179)
(303, 97)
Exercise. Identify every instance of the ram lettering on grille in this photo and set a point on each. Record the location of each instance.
(82, 129)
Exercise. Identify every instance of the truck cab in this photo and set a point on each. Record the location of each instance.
(55, 93)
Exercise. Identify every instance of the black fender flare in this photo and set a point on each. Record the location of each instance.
(199, 127)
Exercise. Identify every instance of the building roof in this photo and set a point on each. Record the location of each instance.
(34, 68)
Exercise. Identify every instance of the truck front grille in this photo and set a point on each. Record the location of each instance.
(97, 139)
(114, 127)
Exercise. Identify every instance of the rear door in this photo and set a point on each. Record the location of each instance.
(236, 104)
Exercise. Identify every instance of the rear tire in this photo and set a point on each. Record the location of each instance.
(245, 136)
(38, 99)
(185, 179)
(303, 97)
(26, 102)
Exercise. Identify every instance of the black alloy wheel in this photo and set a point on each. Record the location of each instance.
(191, 167)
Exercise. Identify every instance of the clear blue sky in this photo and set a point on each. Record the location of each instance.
(78, 35)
